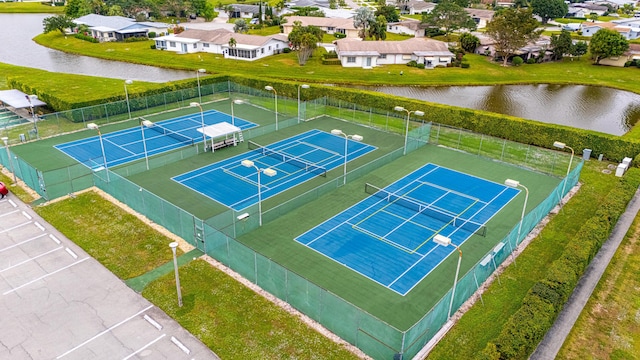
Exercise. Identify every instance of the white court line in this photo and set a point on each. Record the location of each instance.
(30, 259)
(105, 331)
(146, 346)
(22, 242)
(15, 227)
(44, 276)
(9, 213)
(26, 215)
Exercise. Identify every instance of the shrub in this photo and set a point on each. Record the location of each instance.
(465, 65)
(517, 61)
(339, 35)
(151, 34)
(153, 47)
(420, 66)
(531, 61)
(412, 63)
(286, 50)
(331, 61)
(86, 38)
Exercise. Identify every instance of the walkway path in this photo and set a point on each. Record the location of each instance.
(555, 337)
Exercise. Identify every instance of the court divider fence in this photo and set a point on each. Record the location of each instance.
(216, 235)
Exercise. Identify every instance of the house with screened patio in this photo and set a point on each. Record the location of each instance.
(219, 41)
(368, 54)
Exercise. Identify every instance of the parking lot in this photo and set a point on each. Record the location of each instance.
(59, 303)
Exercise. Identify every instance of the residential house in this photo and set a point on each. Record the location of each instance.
(118, 28)
(416, 7)
(632, 54)
(535, 50)
(583, 10)
(241, 11)
(480, 16)
(406, 27)
(629, 32)
(246, 47)
(368, 54)
(328, 25)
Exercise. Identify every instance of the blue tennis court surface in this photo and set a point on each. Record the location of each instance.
(123, 146)
(296, 160)
(387, 237)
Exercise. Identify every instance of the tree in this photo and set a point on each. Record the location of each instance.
(593, 17)
(561, 44)
(115, 10)
(403, 5)
(578, 49)
(240, 26)
(627, 9)
(549, 9)
(378, 28)
(469, 42)
(304, 40)
(309, 11)
(75, 9)
(607, 43)
(209, 12)
(362, 19)
(449, 16)
(512, 29)
(60, 22)
(389, 12)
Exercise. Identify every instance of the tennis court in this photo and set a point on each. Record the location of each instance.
(387, 237)
(295, 160)
(128, 145)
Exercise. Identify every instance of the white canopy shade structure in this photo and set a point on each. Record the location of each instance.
(19, 100)
(220, 130)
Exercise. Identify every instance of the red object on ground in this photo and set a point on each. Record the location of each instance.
(3, 190)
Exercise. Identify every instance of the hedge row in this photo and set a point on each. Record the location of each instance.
(613, 147)
(522, 333)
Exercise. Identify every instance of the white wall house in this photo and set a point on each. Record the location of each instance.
(247, 47)
(416, 7)
(368, 54)
(118, 28)
(630, 31)
(406, 27)
(328, 25)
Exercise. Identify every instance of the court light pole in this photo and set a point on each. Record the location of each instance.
(237, 102)
(94, 126)
(144, 124)
(516, 184)
(173, 247)
(275, 96)
(126, 94)
(204, 137)
(269, 172)
(198, 72)
(6, 146)
(561, 145)
(302, 86)
(406, 130)
(346, 148)
(445, 241)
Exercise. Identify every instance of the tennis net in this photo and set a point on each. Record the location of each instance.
(289, 159)
(427, 209)
(170, 133)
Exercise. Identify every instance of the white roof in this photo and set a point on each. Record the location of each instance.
(19, 100)
(219, 130)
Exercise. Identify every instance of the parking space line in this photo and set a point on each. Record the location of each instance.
(105, 331)
(23, 242)
(39, 226)
(9, 213)
(13, 203)
(146, 346)
(30, 259)
(15, 227)
(71, 253)
(44, 276)
(54, 239)
(26, 215)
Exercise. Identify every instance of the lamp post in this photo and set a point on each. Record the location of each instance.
(204, 137)
(302, 86)
(346, 148)
(145, 123)
(173, 247)
(233, 118)
(6, 146)
(406, 130)
(198, 72)
(561, 145)
(33, 113)
(94, 126)
(516, 184)
(126, 94)
(445, 241)
(275, 96)
(269, 172)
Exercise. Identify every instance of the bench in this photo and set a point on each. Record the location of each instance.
(224, 143)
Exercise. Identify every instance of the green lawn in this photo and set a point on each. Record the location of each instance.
(29, 7)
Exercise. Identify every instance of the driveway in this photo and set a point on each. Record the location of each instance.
(59, 303)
